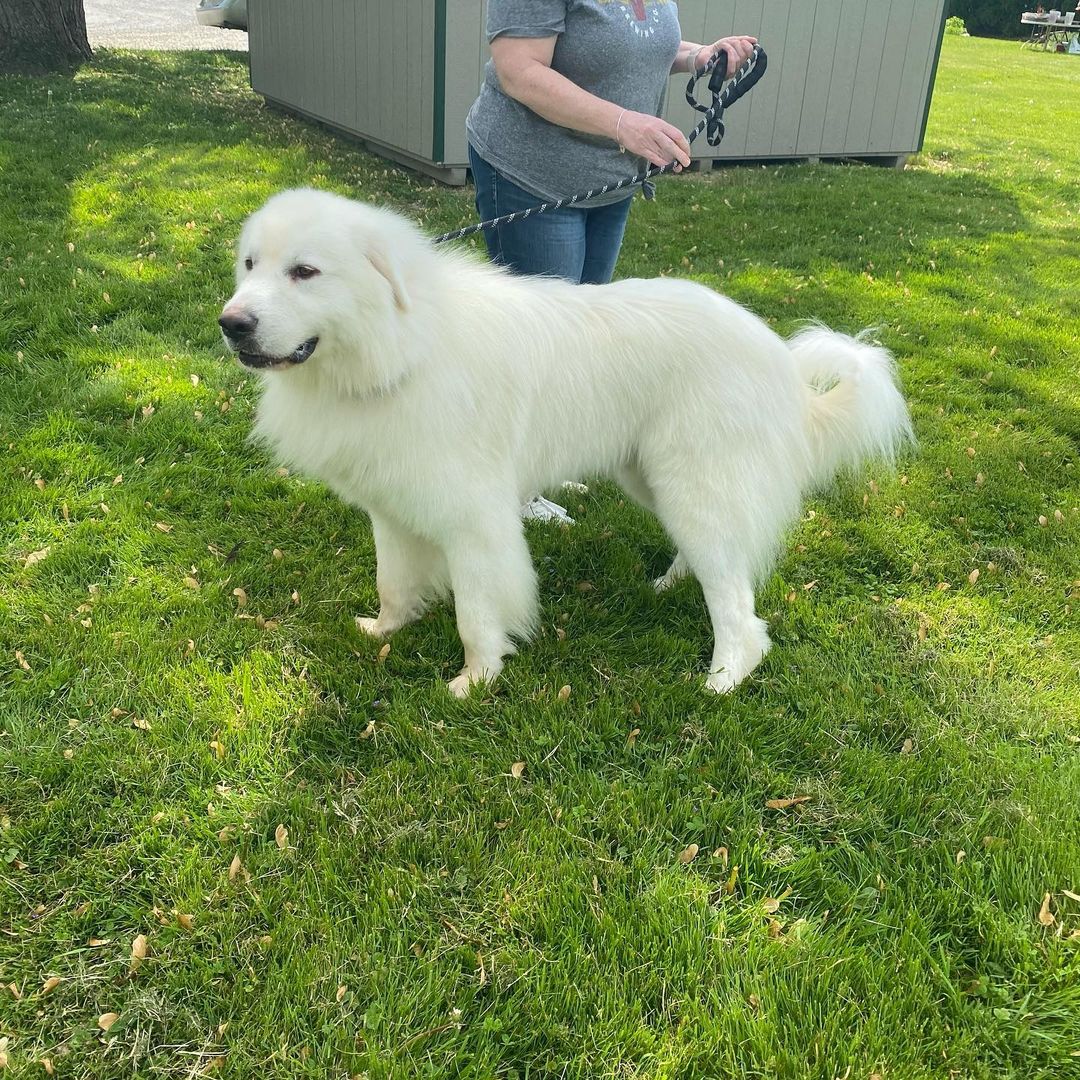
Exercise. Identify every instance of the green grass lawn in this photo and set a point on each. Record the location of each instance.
(333, 869)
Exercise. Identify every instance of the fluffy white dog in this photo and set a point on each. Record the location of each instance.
(437, 392)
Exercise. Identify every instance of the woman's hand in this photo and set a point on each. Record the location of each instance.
(738, 51)
(657, 141)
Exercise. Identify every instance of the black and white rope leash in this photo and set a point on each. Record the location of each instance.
(744, 80)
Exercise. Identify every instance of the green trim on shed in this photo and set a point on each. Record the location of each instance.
(933, 77)
(438, 133)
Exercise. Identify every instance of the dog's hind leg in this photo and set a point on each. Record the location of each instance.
(410, 573)
(741, 639)
(678, 569)
(494, 586)
(713, 549)
(631, 479)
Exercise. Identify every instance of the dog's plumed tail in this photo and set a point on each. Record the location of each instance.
(857, 413)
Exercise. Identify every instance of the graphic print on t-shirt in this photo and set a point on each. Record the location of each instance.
(643, 16)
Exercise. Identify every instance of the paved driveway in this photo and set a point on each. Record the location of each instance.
(155, 24)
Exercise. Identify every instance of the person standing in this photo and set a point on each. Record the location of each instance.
(571, 100)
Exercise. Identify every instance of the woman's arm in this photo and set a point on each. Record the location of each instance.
(523, 66)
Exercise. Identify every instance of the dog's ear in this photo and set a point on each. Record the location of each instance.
(390, 268)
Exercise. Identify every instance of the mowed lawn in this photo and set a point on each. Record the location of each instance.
(237, 840)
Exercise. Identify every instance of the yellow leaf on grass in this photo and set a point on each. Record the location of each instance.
(564, 693)
(341, 992)
(1071, 895)
(187, 922)
(733, 877)
(688, 854)
(907, 746)
(1046, 916)
(281, 837)
(138, 951)
(50, 984)
(21, 660)
(241, 597)
(517, 770)
(106, 1020)
(191, 583)
(36, 556)
(384, 652)
(772, 903)
(784, 804)
(236, 867)
(141, 724)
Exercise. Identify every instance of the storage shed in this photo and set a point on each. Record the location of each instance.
(847, 78)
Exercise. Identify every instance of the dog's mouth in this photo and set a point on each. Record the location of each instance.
(262, 362)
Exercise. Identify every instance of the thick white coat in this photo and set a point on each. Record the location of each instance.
(443, 392)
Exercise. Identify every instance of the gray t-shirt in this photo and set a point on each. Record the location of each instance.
(619, 50)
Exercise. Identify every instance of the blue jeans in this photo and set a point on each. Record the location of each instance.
(580, 244)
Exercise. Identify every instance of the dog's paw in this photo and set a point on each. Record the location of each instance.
(675, 573)
(459, 687)
(369, 626)
(462, 686)
(720, 682)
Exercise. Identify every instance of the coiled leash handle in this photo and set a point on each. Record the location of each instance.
(742, 82)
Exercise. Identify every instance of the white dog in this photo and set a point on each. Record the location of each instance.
(437, 392)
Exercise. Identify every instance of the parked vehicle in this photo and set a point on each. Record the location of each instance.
(228, 14)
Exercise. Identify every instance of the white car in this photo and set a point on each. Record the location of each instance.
(228, 14)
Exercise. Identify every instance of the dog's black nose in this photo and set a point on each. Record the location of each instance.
(238, 325)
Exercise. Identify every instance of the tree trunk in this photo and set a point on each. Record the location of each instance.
(42, 35)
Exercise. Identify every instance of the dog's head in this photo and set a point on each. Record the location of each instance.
(314, 272)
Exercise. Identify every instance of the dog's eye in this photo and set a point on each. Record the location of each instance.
(303, 272)
(248, 264)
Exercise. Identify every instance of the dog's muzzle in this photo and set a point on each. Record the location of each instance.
(260, 360)
(238, 328)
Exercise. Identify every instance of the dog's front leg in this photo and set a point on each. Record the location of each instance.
(494, 586)
(409, 573)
